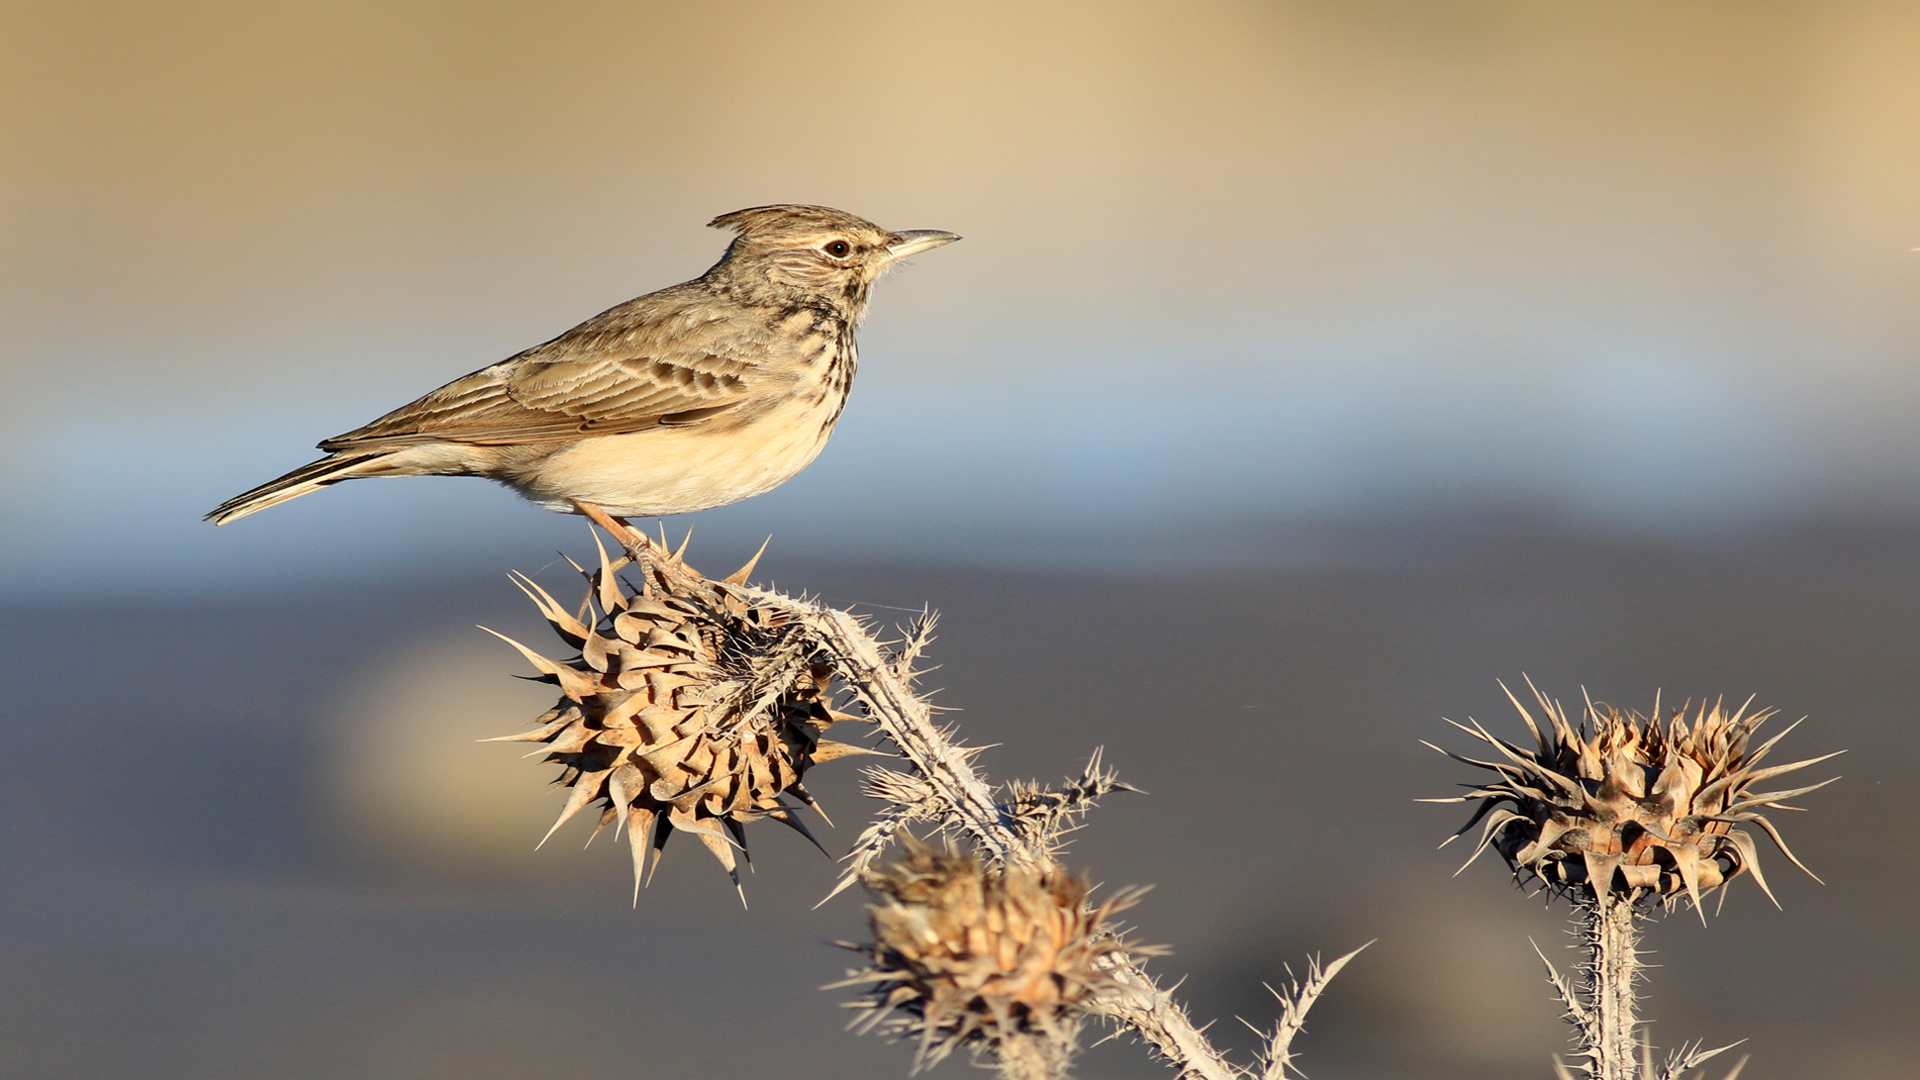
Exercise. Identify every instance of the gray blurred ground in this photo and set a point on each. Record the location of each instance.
(212, 871)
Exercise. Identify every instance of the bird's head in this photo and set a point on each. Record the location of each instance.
(815, 251)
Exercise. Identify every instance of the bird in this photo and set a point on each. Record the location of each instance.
(695, 396)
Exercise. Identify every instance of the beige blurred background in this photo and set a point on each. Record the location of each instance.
(1644, 265)
(1306, 367)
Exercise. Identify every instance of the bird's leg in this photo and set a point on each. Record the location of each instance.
(668, 565)
(629, 537)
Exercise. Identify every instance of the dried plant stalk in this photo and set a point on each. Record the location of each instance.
(1277, 1054)
(1610, 1029)
(1611, 1043)
(1619, 812)
(751, 670)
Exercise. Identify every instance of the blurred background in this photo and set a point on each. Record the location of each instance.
(1307, 367)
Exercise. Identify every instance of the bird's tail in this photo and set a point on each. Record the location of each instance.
(307, 478)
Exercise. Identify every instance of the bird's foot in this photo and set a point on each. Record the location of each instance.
(628, 537)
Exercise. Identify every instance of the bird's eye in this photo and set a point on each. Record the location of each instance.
(838, 249)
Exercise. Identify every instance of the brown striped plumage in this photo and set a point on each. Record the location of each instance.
(697, 395)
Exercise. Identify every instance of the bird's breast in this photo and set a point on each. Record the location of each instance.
(832, 380)
(669, 470)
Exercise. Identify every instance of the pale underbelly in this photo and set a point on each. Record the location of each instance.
(679, 470)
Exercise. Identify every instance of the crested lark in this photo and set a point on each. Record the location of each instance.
(698, 395)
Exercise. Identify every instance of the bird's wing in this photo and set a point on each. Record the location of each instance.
(534, 399)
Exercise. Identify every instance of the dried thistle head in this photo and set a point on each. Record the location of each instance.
(688, 708)
(1002, 961)
(1629, 803)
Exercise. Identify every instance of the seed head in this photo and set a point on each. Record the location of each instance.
(1630, 803)
(1002, 961)
(688, 708)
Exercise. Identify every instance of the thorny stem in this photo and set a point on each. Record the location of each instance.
(1601, 1007)
(905, 718)
(1611, 1033)
(908, 721)
(1612, 1043)
(1293, 1013)
(1155, 1016)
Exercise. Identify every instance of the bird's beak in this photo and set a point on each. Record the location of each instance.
(915, 241)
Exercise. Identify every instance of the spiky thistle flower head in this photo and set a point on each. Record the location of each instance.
(689, 707)
(1000, 960)
(1630, 803)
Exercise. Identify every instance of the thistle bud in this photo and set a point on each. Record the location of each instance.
(1002, 961)
(688, 708)
(1628, 803)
